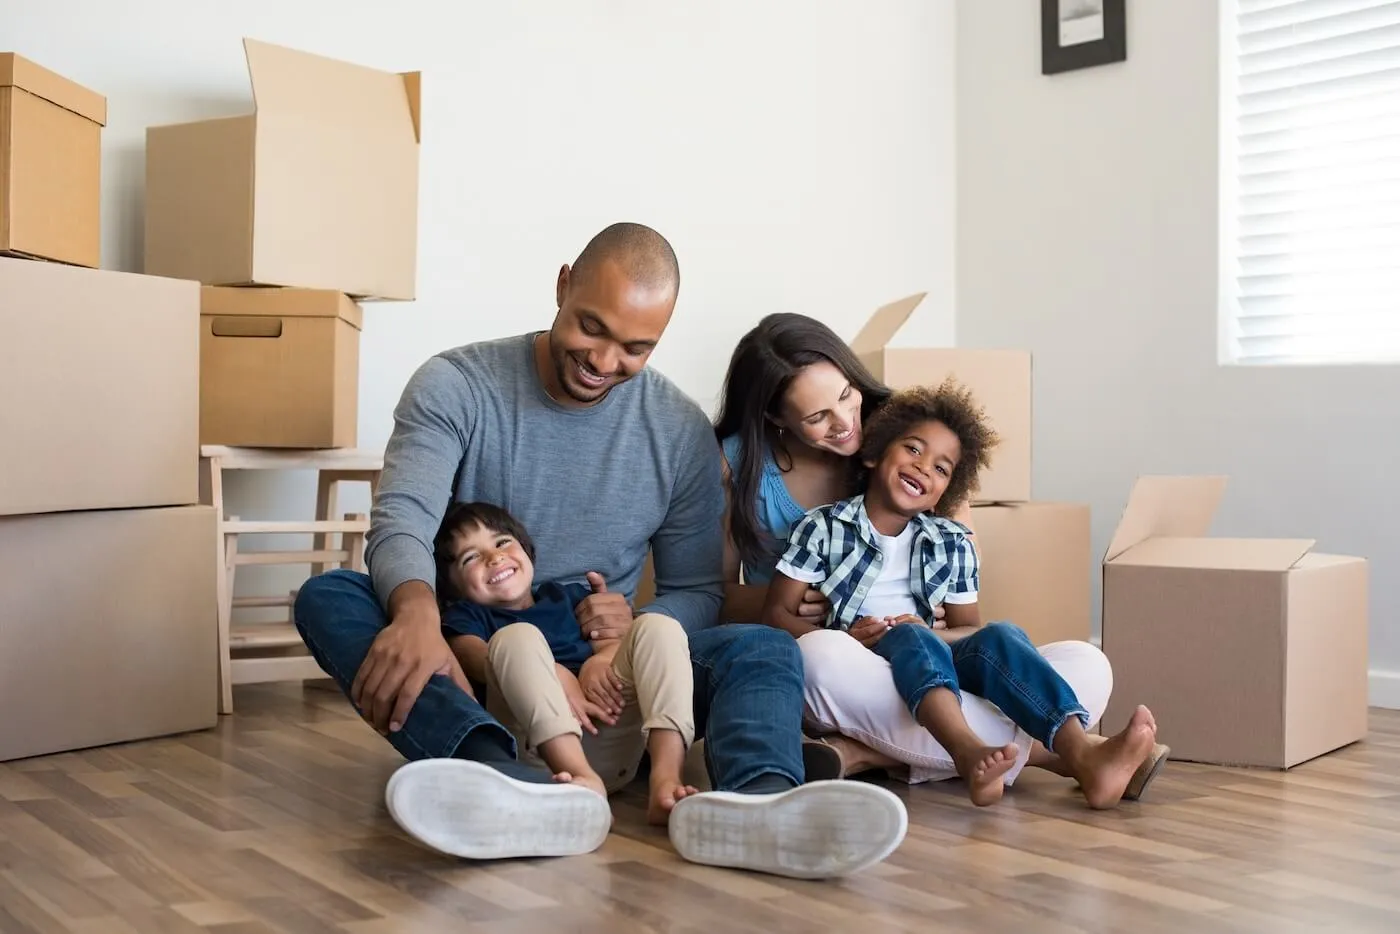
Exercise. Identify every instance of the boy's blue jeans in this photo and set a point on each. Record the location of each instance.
(998, 663)
(748, 687)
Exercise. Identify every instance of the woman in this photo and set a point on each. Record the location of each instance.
(793, 406)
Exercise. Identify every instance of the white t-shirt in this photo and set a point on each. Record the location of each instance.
(890, 594)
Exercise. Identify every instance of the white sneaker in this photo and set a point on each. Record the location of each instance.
(814, 831)
(470, 810)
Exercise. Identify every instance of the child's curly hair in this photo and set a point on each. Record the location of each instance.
(952, 404)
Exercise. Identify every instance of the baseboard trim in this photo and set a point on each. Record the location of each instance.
(1385, 689)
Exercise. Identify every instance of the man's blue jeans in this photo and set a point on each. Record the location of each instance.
(748, 686)
(998, 663)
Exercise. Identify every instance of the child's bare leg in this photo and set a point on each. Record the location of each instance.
(980, 765)
(654, 661)
(1104, 767)
(565, 758)
(667, 749)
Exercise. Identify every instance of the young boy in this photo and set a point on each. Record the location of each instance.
(545, 680)
(884, 560)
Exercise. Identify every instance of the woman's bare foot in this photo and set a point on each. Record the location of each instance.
(1105, 768)
(590, 780)
(856, 757)
(982, 767)
(666, 790)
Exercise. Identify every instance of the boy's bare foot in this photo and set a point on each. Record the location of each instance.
(982, 767)
(590, 780)
(666, 790)
(1105, 768)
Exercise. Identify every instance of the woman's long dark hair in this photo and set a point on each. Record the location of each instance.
(760, 370)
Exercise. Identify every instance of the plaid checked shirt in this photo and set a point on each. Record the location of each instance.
(836, 548)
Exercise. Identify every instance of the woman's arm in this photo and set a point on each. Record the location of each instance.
(781, 608)
(743, 603)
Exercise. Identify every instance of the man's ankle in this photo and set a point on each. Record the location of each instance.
(766, 784)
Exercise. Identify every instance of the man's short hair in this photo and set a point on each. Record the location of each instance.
(643, 255)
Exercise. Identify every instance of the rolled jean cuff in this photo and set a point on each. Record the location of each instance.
(917, 697)
(1058, 720)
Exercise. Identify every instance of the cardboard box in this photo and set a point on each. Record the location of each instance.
(50, 164)
(108, 627)
(99, 373)
(279, 368)
(1249, 651)
(1001, 380)
(318, 188)
(1036, 568)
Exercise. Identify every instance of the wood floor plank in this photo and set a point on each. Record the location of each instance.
(274, 821)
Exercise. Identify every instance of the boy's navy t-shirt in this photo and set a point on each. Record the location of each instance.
(552, 614)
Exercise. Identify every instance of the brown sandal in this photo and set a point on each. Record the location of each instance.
(1146, 772)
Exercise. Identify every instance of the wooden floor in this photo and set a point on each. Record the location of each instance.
(275, 822)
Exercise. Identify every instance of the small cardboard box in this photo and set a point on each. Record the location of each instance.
(50, 165)
(108, 627)
(1249, 651)
(279, 368)
(1036, 566)
(1000, 379)
(99, 373)
(318, 188)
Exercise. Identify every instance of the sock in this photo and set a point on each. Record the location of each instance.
(766, 784)
(489, 747)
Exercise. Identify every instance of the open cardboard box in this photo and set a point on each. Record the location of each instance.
(1249, 651)
(1036, 568)
(317, 188)
(50, 164)
(279, 368)
(1000, 379)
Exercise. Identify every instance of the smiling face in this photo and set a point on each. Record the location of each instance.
(821, 408)
(915, 469)
(604, 332)
(490, 568)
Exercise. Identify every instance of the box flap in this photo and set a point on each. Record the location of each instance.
(237, 301)
(885, 323)
(1218, 554)
(17, 71)
(294, 84)
(1171, 507)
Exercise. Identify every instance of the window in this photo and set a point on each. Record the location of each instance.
(1310, 181)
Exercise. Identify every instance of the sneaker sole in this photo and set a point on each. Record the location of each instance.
(470, 810)
(818, 830)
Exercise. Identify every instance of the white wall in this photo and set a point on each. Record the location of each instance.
(1087, 233)
(798, 153)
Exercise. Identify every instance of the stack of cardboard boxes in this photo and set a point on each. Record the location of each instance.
(1036, 560)
(288, 216)
(107, 600)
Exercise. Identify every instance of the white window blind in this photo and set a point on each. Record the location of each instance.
(1310, 181)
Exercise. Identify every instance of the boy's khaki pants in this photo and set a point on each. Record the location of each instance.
(653, 663)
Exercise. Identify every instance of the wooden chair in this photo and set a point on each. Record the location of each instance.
(273, 651)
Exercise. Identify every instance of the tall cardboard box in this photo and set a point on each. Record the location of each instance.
(317, 188)
(1249, 651)
(99, 377)
(279, 368)
(1000, 379)
(50, 164)
(1036, 566)
(108, 627)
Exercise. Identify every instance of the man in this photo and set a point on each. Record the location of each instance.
(602, 460)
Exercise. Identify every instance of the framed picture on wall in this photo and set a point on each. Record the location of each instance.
(1081, 34)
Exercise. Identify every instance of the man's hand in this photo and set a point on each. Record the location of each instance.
(584, 710)
(601, 685)
(814, 606)
(405, 654)
(869, 630)
(603, 615)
